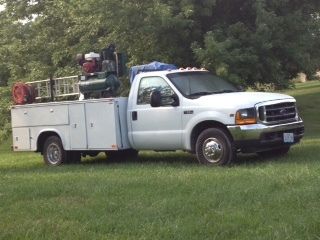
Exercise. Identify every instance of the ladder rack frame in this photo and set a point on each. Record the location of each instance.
(56, 87)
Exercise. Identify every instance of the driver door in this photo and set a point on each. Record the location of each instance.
(156, 128)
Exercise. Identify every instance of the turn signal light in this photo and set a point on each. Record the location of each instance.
(246, 116)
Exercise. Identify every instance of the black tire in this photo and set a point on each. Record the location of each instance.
(275, 152)
(119, 155)
(214, 147)
(53, 152)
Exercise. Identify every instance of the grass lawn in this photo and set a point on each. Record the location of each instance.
(167, 195)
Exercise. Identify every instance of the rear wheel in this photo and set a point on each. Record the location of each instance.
(53, 152)
(214, 147)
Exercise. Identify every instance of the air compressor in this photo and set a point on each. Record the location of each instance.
(99, 73)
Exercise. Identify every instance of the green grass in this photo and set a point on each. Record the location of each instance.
(308, 98)
(167, 195)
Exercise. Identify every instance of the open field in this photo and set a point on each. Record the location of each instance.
(168, 195)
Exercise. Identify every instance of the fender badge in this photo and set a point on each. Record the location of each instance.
(188, 112)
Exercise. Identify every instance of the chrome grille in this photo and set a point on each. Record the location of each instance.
(280, 112)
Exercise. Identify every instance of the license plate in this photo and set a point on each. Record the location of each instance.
(288, 137)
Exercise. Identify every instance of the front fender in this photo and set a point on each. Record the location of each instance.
(202, 117)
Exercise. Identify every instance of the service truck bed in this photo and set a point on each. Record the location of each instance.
(95, 124)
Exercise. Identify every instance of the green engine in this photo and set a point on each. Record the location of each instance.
(100, 73)
(99, 85)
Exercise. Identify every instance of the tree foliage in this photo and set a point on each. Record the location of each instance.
(263, 41)
(246, 41)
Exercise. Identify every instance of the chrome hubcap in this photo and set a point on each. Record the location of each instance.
(54, 153)
(212, 150)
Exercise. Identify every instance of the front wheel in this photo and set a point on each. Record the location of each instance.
(53, 152)
(214, 147)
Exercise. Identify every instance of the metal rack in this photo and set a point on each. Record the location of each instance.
(56, 87)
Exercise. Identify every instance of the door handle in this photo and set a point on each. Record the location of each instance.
(134, 116)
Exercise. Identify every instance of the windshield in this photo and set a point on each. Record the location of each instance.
(197, 84)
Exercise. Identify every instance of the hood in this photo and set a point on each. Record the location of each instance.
(241, 99)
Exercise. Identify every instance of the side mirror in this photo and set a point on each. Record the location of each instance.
(155, 98)
(176, 101)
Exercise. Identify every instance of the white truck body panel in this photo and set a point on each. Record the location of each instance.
(78, 131)
(40, 115)
(157, 128)
(81, 125)
(100, 125)
(21, 138)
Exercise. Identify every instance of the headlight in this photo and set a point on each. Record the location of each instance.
(246, 116)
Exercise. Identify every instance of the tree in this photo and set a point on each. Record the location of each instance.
(246, 41)
(262, 41)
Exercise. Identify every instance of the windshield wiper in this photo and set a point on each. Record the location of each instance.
(224, 91)
(196, 94)
(199, 94)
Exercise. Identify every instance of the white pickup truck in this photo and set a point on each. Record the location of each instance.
(185, 109)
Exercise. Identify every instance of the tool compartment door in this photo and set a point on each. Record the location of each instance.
(101, 125)
(42, 115)
(21, 139)
(78, 133)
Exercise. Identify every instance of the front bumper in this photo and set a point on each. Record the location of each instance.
(259, 137)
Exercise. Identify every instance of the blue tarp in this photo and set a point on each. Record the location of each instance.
(153, 66)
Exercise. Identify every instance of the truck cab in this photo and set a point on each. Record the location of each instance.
(193, 110)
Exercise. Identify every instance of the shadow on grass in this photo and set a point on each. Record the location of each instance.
(146, 157)
(304, 153)
(298, 154)
(255, 159)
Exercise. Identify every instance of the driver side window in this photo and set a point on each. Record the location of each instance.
(149, 84)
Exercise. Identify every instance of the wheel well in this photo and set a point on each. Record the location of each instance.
(42, 138)
(197, 130)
